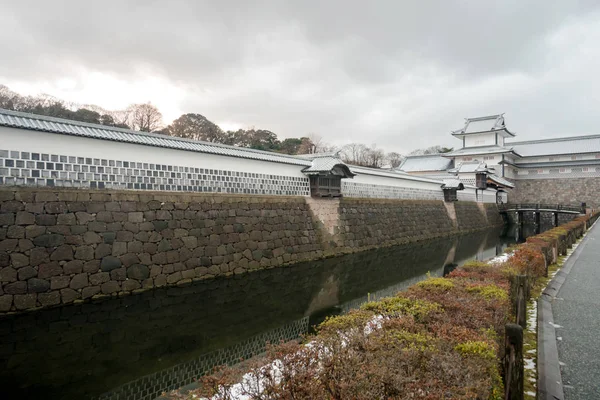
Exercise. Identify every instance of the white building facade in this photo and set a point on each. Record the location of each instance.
(529, 171)
(43, 151)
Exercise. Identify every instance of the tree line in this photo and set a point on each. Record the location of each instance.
(146, 117)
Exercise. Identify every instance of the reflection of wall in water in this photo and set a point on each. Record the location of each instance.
(118, 341)
(152, 386)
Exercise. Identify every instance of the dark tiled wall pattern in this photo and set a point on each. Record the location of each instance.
(39, 169)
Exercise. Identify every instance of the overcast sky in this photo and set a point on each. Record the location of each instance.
(398, 74)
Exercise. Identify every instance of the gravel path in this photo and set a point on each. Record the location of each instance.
(577, 310)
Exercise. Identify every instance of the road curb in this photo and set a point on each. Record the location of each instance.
(550, 385)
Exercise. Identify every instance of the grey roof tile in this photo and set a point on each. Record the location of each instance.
(432, 162)
(566, 145)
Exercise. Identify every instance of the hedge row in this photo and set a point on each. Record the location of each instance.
(443, 338)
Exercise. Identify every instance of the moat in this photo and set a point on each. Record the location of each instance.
(138, 346)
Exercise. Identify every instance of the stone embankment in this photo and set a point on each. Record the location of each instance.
(58, 246)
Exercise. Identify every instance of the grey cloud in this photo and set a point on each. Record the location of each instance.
(398, 74)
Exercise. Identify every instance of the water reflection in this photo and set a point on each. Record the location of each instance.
(139, 346)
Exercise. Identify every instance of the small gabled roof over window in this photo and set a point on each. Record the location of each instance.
(453, 184)
(328, 165)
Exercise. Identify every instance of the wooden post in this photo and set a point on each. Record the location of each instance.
(556, 219)
(513, 362)
(519, 293)
(538, 218)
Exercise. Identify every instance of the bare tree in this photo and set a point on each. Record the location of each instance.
(431, 150)
(354, 153)
(374, 158)
(145, 117)
(394, 159)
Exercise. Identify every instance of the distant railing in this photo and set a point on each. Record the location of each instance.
(543, 207)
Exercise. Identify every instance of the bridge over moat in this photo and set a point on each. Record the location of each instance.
(537, 209)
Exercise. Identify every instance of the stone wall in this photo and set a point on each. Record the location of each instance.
(365, 223)
(573, 191)
(58, 246)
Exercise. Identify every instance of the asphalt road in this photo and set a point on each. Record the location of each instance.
(577, 310)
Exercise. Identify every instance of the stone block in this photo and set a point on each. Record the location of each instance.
(90, 291)
(172, 256)
(99, 278)
(45, 220)
(19, 260)
(42, 197)
(49, 240)
(73, 267)
(59, 282)
(24, 218)
(15, 232)
(94, 207)
(66, 219)
(83, 218)
(49, 299)
(26, 273)
(37, 285)
(60, 229)
(188, 274)
(12, 206)
(8, 244)
(130, 285)
(91, 266)
(160, 280)
(109, 237)
(104, 216)
(124, 236)
(174, 277)
(190, 242)
(75, 206)
(84, 253)
(56, 207)
(110, 287)
(119, 274)
(103, 250)
(68, 295)
(62, 253)
(119, 248)
(7, 219)
(79, 281)
(8, 274)
(129, 259)
(6, 302)
(96, 226)
(75, 240)
(38, 255)
(136, 217)
(18, 287)
(25, 301)
(135, 247)
(109, 263)
(78, 229)
(91, 238)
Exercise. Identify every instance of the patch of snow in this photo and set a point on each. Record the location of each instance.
(556, 326)
(529, 364)
(530, 393)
